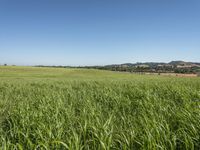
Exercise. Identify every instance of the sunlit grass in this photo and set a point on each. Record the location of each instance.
(48, 108)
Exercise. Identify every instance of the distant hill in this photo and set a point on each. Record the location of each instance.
(154, 67)
(178, 62)
(153, 64)
(172, 67)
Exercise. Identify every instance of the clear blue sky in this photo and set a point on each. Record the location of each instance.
(98, 32)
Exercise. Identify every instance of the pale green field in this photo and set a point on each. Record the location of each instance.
(52, 108)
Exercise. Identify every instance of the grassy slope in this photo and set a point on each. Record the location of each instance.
(50, 108)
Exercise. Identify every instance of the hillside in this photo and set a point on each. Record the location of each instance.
(156, 67)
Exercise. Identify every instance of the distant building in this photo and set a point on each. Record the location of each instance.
(124, 66)
(142, 66)
(184, 66)
(188, 66)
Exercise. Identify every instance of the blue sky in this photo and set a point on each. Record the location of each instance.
(98, 32)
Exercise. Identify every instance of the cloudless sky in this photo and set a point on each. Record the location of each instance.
(98, 32)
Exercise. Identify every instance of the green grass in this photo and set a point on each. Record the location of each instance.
(48, 108)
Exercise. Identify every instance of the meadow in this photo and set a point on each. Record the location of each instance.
(52, 108)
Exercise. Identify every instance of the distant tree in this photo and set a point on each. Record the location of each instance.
(5, 64)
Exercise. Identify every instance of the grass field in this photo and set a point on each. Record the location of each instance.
(49, 108)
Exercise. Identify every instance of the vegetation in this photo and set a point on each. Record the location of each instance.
(180, 67)
(57, 108)
(172, 67)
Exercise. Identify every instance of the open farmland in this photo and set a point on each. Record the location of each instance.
(52, 108)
